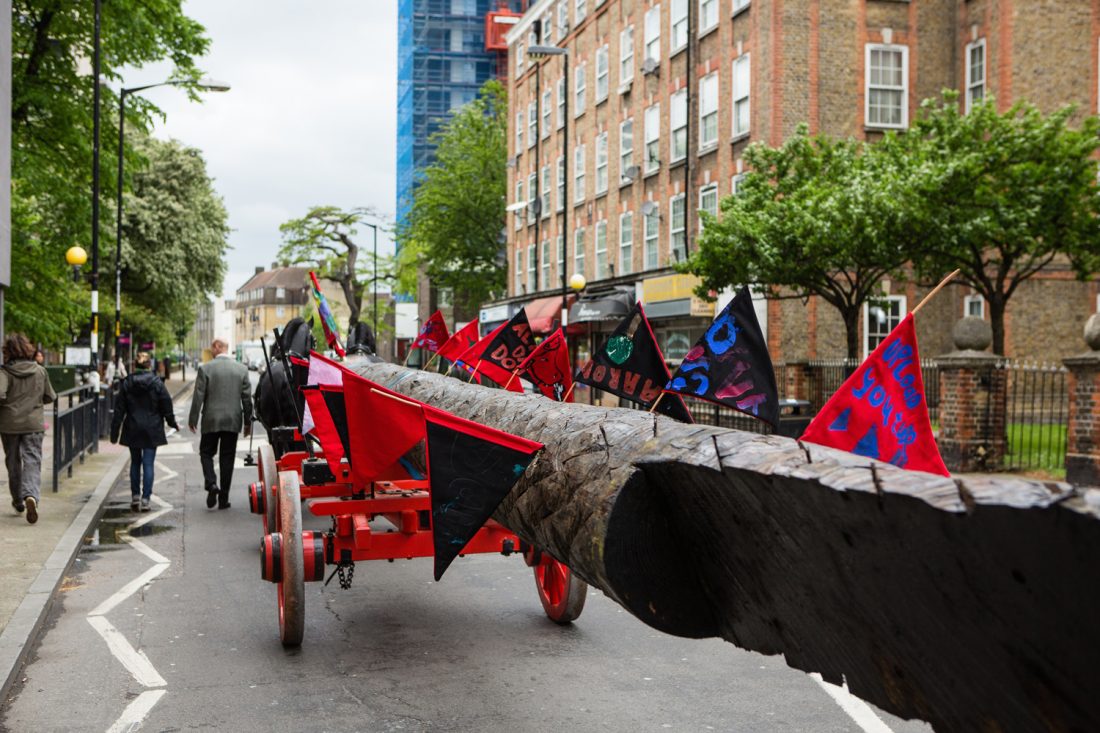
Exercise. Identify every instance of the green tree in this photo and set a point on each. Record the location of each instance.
(1001, 196)
(323, 240)
(453, 229)
(52, 90)
(814, 217)
(175, 234)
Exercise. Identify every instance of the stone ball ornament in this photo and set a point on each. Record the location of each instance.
(1092, 332)
(972, 334)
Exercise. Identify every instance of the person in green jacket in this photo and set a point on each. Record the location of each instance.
(222, 397)
(24, 388)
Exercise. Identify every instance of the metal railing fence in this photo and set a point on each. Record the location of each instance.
(75, 428)
(1036, 415)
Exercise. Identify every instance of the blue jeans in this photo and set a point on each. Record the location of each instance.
(141, 467)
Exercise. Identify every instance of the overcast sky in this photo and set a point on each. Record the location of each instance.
(310, 120)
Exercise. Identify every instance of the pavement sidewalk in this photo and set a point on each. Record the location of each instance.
(35, 558)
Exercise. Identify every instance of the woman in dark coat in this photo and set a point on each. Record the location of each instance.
(141, 409)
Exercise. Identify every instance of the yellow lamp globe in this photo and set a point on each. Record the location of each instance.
(76, 256)
(577, 282)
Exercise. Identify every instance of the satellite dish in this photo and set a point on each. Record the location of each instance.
(632, 172)
(534, 206)
(650, 66)
(648, 208)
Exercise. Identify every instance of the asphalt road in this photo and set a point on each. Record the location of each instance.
(177, 631)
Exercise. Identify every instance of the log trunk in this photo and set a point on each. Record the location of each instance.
(970, 602)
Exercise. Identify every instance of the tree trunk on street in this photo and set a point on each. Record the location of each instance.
(970, 603)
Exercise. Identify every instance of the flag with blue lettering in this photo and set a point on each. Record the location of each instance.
(880, 411)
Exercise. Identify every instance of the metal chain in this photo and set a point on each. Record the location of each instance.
(345, 575)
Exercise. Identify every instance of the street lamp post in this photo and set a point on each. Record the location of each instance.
(539, 52)
(205, 84)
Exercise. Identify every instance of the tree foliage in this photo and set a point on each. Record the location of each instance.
(323, 239)
(175, 234)
(813, 217)
(1000, 195)
(52, 89)
(453, 229)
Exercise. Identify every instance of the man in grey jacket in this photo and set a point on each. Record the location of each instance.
(222, 396)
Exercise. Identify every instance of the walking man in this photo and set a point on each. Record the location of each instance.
(222, 396)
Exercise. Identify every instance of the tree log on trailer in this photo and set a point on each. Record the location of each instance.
(971, 603)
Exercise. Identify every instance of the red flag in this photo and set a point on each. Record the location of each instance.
(328, 321)
(880, 411)
(462, 340)
(471, 468)
(433, 335)
(509, 347)
(547, 367)
(475, 361)
(324, 427)
(382, 427)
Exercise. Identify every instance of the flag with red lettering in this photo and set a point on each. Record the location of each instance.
(471, 468)
(880, 411)
(730, 364)
(458, 343)
(432, 335)
(473, 361)
(506, 350)
(630, 365)
(547, 367)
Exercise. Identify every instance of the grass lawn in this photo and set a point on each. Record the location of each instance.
(1041, 447)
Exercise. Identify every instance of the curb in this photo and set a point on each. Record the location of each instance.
(22, 630)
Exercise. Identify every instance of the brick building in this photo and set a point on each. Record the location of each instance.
(615, 145)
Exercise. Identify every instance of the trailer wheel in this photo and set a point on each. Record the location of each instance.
(269, 478)
(292, 589)
(562, 593)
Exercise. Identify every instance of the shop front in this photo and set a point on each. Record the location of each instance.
(591, 320)
(678, 316)
(492, 316)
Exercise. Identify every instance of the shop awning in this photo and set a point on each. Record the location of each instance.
(603, 305)
(544, 313)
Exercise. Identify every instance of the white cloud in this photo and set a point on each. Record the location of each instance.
(310, 119)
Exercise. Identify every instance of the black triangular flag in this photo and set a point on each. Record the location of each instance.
(471, 468)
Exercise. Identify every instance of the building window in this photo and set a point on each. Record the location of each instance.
(532, 194)
(561, 103)
(601, 163)
(521, 55)
(578, 174)
(626, 149)
(561, 183)
(280, 293)
(519, 132)
(653, 33)
(548, 28)
(544, 192)
(581, 10)
(561, 257)
(532, 264)
(880, 317)
(578, 91)
(708, 110)
(519, 271)
(547, 102)
(626, 243)
(520, 203)
(563, 18)
(602, 73)
(652, 138)
(678, 121)
(546, 263)
(887, 86)
(532, 124)
(708, 15)
(651, 226)
(736, 183)
(975, 73)
(741, 83)
(601, 251)
(739, 5)
(280, 311)
(677, 228)
(679, 23)
(626, 55)
(708, 201)
(578, 250)
(974, 305)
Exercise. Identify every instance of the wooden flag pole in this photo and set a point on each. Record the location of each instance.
(657, 401)
(407, 357)
(569, 392)
(935, 290)
(429, 362)
(476, 367)
(509, 382)
(395, 398)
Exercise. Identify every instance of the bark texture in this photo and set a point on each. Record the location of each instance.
(971, 603)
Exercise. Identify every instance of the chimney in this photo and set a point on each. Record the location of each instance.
(274, 265)
(259, 269)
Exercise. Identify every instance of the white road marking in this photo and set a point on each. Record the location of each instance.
(135, 662)
(856, 709)
(129, 589)
(135, 713)
(144, 549)
(174, 448)
(163, 473)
